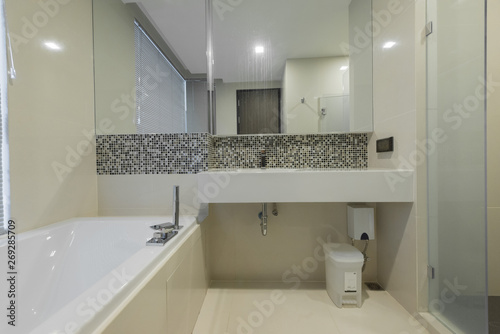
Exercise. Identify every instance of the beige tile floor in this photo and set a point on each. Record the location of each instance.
(274, 308)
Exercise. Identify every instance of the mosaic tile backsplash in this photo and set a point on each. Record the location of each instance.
(178, 153)
(291, 151)
(197, 152)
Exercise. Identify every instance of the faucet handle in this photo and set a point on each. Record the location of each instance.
(162, 234)
(162, 227)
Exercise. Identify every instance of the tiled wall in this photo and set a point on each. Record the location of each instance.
(178, 153)
(291, 151)
(197, 152)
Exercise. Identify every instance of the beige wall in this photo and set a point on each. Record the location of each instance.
(493, 67)
(310, 78)
(51, 107)
(114, 67)
(360, 69)
(398, 112)
(148, 195)
(291, 251)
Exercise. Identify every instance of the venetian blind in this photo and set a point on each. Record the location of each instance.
(160, 89)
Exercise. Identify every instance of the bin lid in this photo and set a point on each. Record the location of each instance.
(343, 253)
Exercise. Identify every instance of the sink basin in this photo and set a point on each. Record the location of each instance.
(258, 170)
(305, 185)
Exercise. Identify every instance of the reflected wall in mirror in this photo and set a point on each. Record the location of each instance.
(317, 53)
(150, 67)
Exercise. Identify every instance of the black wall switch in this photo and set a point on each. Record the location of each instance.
(385, 145)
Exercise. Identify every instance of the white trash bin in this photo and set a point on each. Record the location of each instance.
(343, 273)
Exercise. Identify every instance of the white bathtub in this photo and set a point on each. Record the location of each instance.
(74, 275)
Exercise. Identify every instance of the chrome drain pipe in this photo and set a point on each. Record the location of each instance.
(263, 219)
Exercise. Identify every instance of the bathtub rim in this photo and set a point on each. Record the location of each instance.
(160, 256)
(103, 319)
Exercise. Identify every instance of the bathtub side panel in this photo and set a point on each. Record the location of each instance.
(186, 290)
(171, 301)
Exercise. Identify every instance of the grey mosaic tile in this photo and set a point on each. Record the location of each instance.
(152, 154)
(193, 153)
(291, 151)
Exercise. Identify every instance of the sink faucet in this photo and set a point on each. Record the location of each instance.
(263, 161)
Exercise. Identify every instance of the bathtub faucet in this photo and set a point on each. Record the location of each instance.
(176, 208)
(166, 231)
(163, 233)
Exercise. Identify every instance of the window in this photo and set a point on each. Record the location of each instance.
(160, 89)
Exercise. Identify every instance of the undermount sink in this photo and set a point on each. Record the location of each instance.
(258, 170)
(255, 185)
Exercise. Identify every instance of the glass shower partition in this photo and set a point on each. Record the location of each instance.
(456, 119)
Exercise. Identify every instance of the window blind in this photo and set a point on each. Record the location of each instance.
(160, 89)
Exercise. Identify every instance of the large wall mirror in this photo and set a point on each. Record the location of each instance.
(150, 66)
(292, 66)
(280, 66)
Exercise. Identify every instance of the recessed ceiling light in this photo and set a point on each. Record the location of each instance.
(389, 45)
(343, 68)
(259, 49)
(52, 46)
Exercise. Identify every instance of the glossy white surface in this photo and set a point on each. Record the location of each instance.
(138, 195)
(77, 272)
(51, 113)
(396, 113)
(305, 185)
(272, 308)
(493, 160)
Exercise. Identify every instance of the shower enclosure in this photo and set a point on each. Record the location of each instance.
(456, 123)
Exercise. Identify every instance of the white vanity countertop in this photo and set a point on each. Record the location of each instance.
(306, 185)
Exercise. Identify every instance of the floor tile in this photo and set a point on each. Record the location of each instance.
(274, 308)
(379, 313)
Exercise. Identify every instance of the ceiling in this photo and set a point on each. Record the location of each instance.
(285, 28)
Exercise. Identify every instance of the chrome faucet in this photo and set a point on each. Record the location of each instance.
(263, 219)
(263, 161)
(176, 208)
(166, 231)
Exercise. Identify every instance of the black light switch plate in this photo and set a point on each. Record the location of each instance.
(385, 145)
